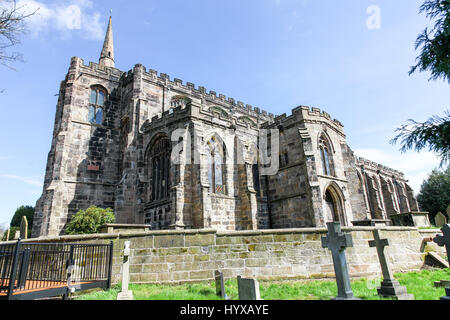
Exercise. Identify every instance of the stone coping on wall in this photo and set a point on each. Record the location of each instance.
(128, 234)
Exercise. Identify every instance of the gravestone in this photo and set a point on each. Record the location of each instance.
(440, 220)
(125, 294)
(444, 241)
(248, 289)
(24, 228)
(447, 292)
(337, 242)
(17, 235)
(389, 287)
(220, 285)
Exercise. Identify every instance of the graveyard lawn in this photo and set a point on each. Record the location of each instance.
(420, 284)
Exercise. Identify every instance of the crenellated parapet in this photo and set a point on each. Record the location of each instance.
(191, 90)
(376, 167)
(197, 111)
(309, 115)
(94, 69)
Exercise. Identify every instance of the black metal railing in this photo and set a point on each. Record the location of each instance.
(32, 267)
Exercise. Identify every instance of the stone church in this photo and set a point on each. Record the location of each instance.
(116, 134)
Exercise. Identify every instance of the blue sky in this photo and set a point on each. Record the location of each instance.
(273, 54)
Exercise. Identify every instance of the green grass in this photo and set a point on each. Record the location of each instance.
(420, 284)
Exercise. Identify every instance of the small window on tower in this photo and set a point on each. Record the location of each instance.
(97, 102)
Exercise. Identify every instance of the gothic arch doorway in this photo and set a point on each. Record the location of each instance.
(333, 204)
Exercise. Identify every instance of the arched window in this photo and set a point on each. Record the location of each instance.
(159, 162)
(253, 159)
(393, 197)
(326, 157)
(215, 158)
(96, 106)
(256, 184)
(363, 190)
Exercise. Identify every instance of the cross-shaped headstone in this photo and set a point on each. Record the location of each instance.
(444, 240)
(389, 287)
(337, 242)
(126, 294)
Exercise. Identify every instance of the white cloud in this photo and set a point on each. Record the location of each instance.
(64, 17)
(415, 166)
(27, 180)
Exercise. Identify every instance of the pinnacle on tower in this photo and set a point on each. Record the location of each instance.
(107, 55)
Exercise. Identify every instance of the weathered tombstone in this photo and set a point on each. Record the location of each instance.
(248, 289)
(389, 287)
(125, 294)
(220, 285)
(440, 220)
(337, 242)
(24, 228)
(445, 241)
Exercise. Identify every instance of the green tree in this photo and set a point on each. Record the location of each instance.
(27, 211)
(435, 42)
(90, 220)
(434, 195)
(433, 135)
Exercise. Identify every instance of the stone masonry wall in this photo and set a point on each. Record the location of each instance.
(194, 255)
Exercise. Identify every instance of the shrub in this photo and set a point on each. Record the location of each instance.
(89, 221)
(12, 233)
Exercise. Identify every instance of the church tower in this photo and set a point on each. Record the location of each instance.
(107, 55)
(82, 167)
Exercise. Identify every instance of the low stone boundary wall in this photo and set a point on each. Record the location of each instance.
(194, 255)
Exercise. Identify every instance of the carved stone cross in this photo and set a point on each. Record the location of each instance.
(389, 287)
(337, 242)
(381, 244)
(126, 294)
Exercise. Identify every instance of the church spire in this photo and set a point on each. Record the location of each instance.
(107, 56)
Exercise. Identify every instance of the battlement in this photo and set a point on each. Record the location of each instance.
(378, 167)
(191, 89)
(307, 113)
(189, 110)
(97, 68)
